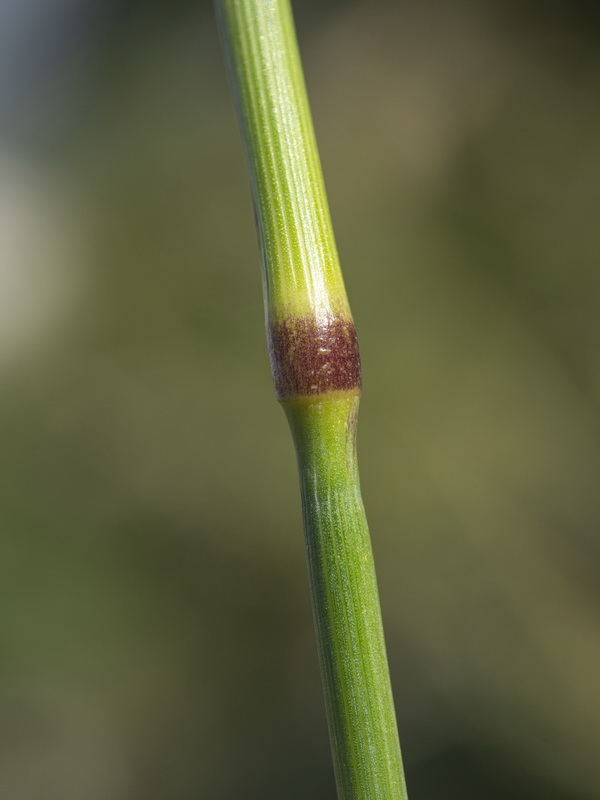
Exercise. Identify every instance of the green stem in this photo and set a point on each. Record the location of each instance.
(295, 233)
(358, 694)
(316, 368)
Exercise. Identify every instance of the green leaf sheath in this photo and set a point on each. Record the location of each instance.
(316, 368)
(301, 267)
(358, 694)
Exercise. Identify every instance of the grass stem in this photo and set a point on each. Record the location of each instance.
(316, 368)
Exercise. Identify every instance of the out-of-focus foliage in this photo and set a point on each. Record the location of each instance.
(155, 628)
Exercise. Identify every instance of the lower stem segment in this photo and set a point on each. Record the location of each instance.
(360, 708)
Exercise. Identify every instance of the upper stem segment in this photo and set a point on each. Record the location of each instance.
(301, 267)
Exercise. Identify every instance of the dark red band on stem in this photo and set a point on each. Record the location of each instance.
(310, 356)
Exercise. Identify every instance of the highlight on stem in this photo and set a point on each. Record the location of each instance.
(316, 369)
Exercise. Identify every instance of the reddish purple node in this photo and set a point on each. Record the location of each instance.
(310, 356)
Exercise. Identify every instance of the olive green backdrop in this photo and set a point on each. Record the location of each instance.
(155, 627)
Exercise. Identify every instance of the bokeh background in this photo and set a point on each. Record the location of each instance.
(155, 631)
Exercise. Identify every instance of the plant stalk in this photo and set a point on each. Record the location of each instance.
(316, 369)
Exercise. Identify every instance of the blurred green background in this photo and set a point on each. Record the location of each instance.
(156, 641)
